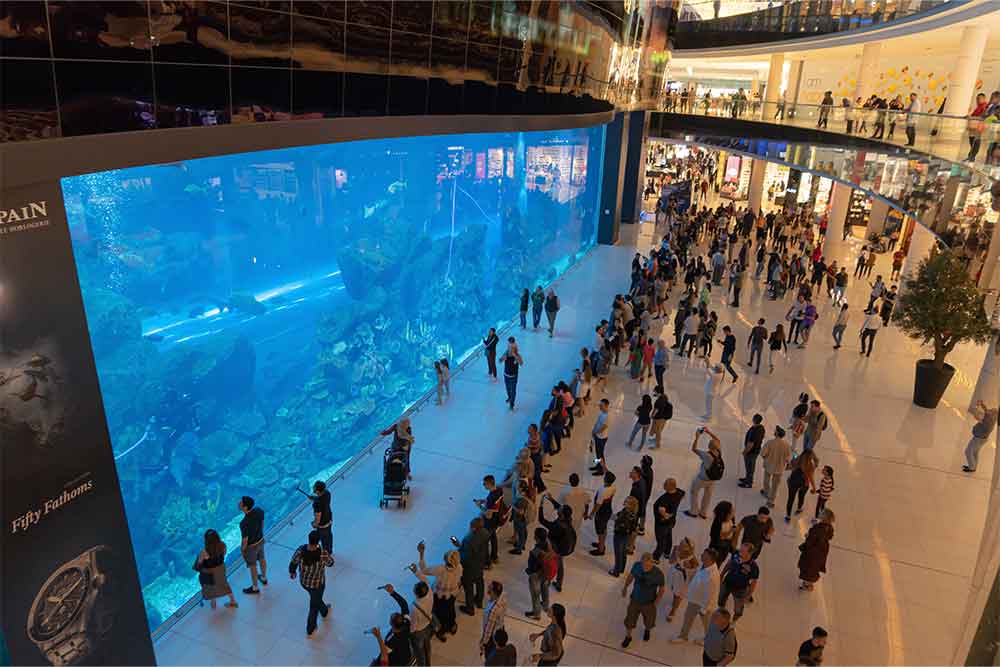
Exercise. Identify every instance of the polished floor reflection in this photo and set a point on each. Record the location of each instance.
(907, 532)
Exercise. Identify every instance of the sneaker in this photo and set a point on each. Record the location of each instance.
(532, 615)
(690, 514)
(598, 473)
(702, 516)
(645, 635)
(251, 591)
(515, 552)
(626, 642)
(968, 469)
(596, 552)
(263, 579)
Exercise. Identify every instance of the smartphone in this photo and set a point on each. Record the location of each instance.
(454, 540)
(701, 429)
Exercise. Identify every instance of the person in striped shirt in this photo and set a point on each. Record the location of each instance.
(825, 491)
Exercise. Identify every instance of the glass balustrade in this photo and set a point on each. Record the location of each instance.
(975, 142)
(705, 23)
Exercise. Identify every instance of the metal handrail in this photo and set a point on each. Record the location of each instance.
(345, 470)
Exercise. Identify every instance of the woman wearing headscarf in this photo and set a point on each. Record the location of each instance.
(814, 550)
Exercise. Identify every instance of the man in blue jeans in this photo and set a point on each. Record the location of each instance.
(511, 361)
(309, 563)
(728, 350)
(538, 585)
(980, 432)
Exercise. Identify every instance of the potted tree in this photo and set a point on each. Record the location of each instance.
(942, 306)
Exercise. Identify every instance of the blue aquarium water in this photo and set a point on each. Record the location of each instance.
(258, 318)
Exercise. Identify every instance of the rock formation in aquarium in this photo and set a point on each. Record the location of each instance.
(257, 319)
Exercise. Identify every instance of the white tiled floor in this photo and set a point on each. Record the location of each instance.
(908, 525)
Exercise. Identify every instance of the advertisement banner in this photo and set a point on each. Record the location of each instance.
(70, 588)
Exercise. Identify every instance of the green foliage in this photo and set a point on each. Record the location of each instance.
(941, 305)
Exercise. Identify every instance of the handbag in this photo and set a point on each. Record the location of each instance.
(432, 619)
(204, 578)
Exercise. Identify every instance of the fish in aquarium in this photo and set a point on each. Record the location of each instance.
(257, 319)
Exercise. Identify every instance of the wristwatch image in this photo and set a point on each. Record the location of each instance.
(75, 609)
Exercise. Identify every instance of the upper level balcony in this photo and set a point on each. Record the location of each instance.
(703, 24)
(958, 139)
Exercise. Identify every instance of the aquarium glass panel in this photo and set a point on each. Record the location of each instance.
(258, 318)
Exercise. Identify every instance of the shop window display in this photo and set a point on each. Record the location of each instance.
(258, 318)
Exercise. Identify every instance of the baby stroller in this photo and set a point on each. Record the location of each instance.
(394, 471)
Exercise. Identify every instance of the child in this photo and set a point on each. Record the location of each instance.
(824, 492)
(439, 372)
(446, 374)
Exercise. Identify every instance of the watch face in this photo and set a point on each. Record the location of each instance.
(58, 603)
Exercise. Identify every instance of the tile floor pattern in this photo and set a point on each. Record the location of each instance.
(908, 521)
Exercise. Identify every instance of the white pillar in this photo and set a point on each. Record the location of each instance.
(773, 91)
(988, 384)
(868, 73)
(966, 70)
(876, 217)
(921, 242)
(756, 187)
(991, 274)
(834, 247)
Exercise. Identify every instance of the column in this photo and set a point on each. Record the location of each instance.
(834, 246)
(868, 73)
(635, 165)
(966, 70)
(921, 243)
(876, 217)
(613, 177)
(991, 276)
(795, 83)
(755, 194)
(988, 384)
(773, 91)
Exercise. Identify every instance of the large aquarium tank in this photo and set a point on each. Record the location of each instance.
(258, 318)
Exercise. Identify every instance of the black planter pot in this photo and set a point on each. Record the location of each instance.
(930, 383)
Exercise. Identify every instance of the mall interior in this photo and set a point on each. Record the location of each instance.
(319, 318)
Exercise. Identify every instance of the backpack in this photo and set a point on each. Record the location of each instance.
(715, 470)
(669, 410)
(823, 420)
(567, 544)
(550, 566)
(501, 512)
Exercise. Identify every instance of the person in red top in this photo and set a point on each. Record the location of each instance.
(823, 222)
(817, 254)
(976, 126)
(648, 352)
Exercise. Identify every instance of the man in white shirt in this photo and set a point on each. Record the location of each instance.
(578, 499)
(602, 427)
(702, 596)
(869, 328)
(690, 333)
(776, 455)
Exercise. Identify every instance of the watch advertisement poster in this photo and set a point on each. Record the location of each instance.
(69, 583)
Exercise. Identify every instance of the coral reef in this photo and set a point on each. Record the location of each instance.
(270, 366)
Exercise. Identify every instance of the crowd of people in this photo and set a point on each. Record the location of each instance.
(704, 259)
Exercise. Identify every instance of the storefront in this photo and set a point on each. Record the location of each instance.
(736, 178)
